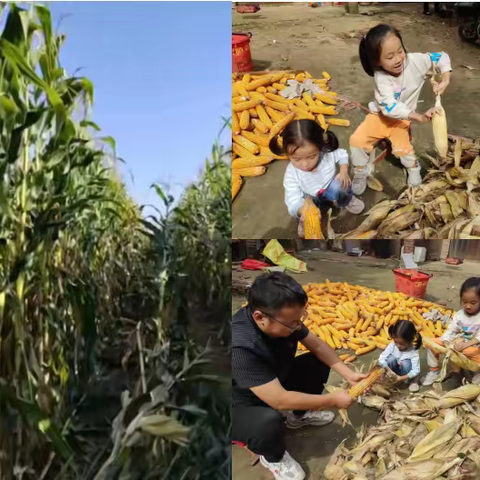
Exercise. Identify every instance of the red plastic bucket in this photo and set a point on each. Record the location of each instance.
(411, 282)
(241, 56)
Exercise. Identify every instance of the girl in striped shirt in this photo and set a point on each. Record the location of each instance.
(317, 168)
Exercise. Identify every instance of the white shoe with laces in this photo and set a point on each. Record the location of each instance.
(286, 469)
(316, 418)
(414, 177)
(430, 378)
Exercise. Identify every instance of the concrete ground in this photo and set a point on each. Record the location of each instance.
(312, 446)
(295, 36)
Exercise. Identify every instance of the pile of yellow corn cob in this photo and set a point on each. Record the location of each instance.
(356, 318)
(259, 113)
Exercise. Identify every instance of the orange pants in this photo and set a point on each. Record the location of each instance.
(473, 353)
(375, 127)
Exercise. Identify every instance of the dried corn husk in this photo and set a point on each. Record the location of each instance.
(373, 401)
(459, 396)
(374, 184)
(434, 441)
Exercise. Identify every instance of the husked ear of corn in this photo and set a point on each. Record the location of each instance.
(240, 107)
(339, 122)
(459, 395)
(256, 161)
(440, 133)
(250, 171)
(236, 184)
(366, 383)
(235, 124)
(326, 99)
(244, 120)
(246, 144)
(312, 223)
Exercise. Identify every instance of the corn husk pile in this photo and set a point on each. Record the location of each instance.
(355, 319)
(259, 112)
(424, 436)
(446, 206)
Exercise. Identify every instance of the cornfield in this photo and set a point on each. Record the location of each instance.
(101, 372)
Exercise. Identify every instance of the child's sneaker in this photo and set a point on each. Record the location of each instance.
(286, 469)
(355, 206)
(359, 181)
(430, 378)
(316, 418)
(414, 177)
(414, 387)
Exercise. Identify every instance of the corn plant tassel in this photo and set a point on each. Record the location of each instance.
(439, 124)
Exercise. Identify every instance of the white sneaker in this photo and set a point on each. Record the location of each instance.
(476, 379)
(430, 378)
(414, 387)
(286, 469)
(316, 418)
(356, 206)
(414, 177)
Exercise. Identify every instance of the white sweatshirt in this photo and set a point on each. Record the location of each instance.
(298, 184)
(397, 97)
(462, 325)
(410, 354)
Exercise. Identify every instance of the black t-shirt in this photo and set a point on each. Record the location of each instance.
(258, 359)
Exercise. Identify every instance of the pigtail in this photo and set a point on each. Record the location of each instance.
(331, 141)
(392, 330)
(417, 342)
(275, 147)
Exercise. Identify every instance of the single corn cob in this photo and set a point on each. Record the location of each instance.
(339, 122)
(240, 107)
(301, 112)
(250, 171)
(258, 124)
(246, 79)
(275, 105)
(309, 100)
(253, 113)
(276, 98)
(261, 82)
(324, 110)
(238, 99)
(326, 75)
(241, 89)
(257, 161)
(236, 184)
(263, 116)
(272, 90)
(326, 99)
(257, 96)
(242, 152)
(246, 144)
(260, 140)
(363, 385)
(278, 86)
(439, 125)
(275, 115)
(300, 77)
(244, 120)
(279, 126)
(322, 122)
(261, 90)
(235, 124)
(301, 104)
(312, 223)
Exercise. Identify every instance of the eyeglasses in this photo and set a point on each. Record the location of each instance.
(299, 323)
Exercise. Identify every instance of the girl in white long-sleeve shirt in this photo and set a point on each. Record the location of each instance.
(463, 332)
(401, 356)
(399, 77)
(317, 168)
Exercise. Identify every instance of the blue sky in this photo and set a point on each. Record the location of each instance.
(161, 73)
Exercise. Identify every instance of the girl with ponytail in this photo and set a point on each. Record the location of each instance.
(401, 356)
(399, 78)
(317, 168)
